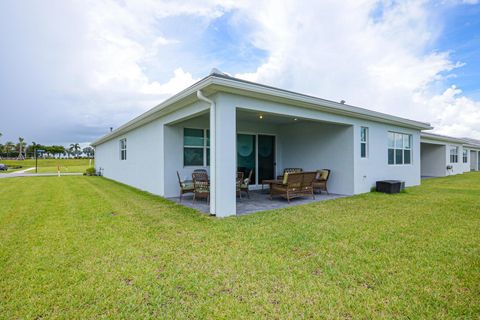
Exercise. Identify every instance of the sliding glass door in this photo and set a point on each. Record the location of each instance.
(246, 154)
(257, 153)
(266, 157)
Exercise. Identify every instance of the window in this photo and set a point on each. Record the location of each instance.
(363, 142)
(454, 155)
(399, 148)
(465, 156)
(196, 147)
(123, 149)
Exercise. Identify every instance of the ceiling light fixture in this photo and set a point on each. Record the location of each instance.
(261, 116)
(295, 119)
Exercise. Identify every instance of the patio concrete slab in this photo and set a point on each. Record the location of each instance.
(258, 201)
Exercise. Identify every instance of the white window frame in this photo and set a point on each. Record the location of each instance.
(122, 144)
(205, 147)
(453, 154)
(364, 142)
(403, 148)
(465, 156)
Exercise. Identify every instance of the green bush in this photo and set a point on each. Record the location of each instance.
(90, 172)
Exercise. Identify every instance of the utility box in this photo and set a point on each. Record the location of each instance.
(390, 186)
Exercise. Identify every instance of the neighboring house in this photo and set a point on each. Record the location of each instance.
(443, 155)
(244, 125)
(474, 147)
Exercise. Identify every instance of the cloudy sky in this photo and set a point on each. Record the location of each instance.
(69, 70)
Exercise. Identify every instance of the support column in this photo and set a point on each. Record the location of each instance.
(223, 160)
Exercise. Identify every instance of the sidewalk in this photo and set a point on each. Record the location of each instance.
(23, 174)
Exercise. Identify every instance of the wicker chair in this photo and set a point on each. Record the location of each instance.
(246, 183)
(289, 170)
(201, 186)
(321, 179)
(296, 184)
(238, 184)
(185, 186)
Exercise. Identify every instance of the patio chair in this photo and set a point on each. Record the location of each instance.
(321, 179)
(185, 186)
(289, 170)
(201, 174)
(246, 184)
(296, 184)
(201, 186)
(238, 184)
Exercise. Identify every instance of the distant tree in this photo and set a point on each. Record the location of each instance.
(9, 146)
(56, 150)
(88, 151)
(30, 150)
(75, 148)
(21, 145)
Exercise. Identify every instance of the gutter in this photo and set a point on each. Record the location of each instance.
(213, 162)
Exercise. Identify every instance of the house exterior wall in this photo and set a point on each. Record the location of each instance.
(456, 168)
(375, 167)
(365, 171)
(465, 165)
(433, 160)
(146, 159)
(142, 169)
(312, 146)
(474, 160)
(155, 150)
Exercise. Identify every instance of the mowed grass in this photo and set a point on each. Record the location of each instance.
(87, 247)
(50, 165)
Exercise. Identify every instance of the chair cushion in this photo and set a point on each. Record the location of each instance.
(285, 178)
(187, 185)
(323, 175)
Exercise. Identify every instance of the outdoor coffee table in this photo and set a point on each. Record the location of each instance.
(270, 182)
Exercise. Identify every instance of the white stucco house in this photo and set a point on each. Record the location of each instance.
(222, 124)
(443, 155)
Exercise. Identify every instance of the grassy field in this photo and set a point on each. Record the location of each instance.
(87, 247)
(49, 165)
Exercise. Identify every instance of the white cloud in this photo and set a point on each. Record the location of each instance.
(451, 113)
(341, 50)
(112, 60)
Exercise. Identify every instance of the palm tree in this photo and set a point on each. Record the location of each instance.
(21, 145)
(9, 145)
(74, 148)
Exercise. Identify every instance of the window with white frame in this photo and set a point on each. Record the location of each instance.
(123, 149)
(465, 156)
(399, 148)
(363, 142)
(453, 154)
(196, 147)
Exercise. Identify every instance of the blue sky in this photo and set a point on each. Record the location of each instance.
(71, 70)
(461, 36)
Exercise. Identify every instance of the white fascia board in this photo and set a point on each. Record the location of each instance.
(428, 137)
(472, 147)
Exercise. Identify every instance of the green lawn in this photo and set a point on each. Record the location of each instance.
(87, 247)
(50, 165)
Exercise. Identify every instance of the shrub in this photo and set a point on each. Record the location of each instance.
(90, 172)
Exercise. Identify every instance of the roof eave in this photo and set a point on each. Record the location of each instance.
(218, 80)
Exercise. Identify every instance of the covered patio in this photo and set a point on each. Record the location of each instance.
(260, 142)
(259, 201)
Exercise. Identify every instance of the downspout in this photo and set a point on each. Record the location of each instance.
(213, 175)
